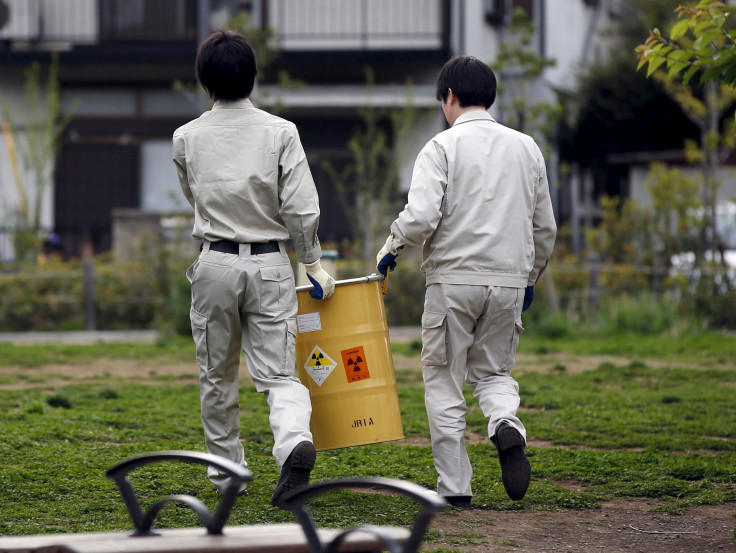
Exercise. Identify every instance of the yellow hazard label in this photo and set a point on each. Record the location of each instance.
(319, 365)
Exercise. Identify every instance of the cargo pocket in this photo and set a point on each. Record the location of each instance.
(513, 344)
(199, 333)
(277, 288)
(434, 343)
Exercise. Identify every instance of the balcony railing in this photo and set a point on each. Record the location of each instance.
(148, 20)
(48, 21)
(358, 24)
(93, 21)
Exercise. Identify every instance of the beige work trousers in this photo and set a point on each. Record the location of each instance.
(246, 302)
(469, 334)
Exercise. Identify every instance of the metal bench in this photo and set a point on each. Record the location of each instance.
(303, 537)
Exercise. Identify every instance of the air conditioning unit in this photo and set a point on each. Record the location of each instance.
(21, 21)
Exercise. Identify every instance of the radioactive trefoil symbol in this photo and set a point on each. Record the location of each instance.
(319, 365)
(356, 363)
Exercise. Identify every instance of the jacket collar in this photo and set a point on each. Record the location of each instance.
(474, 115)
(245, 103)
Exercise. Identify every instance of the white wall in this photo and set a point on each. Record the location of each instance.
(573, 37)
(11, 100)
(472, 35)
(160, 189)
(638, 175)
(427, 125)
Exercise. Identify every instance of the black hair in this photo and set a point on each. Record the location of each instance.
(226, 66)
(471, 80)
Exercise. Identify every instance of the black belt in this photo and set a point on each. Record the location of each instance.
(256, 248)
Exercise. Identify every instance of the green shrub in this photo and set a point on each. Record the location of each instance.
(714, 300)
(48, 298)
(404, 297)
(179, 301)
(126, 296)
(542, 321)
(641, 314)
(155, 294)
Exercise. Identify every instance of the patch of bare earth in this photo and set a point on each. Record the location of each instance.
(619, 526)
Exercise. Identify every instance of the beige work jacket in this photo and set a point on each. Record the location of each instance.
(479, 204)
(245, 173)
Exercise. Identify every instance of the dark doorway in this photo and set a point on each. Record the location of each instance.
(91, 180)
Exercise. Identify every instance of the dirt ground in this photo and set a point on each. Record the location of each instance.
(619, 526)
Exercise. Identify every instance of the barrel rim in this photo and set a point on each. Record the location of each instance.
(368, 278)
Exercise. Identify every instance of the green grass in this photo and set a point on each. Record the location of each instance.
(176, 349)
(703, 348)
(624, 430)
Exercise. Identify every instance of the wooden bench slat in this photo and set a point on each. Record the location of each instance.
(267, 538)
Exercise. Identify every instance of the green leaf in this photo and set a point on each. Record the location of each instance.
(689, 74)
(654, 63)
(701, 27)
(729, 75)
(674, 68)
(722, 58)
(682, 55)
(679, 29)
(718, 21)
(709, 74)
(706, 38)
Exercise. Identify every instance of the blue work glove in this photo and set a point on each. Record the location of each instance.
(528, 297)
(386, 257)
(386, 263)
(324, 284)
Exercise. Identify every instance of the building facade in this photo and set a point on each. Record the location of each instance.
(120, 62)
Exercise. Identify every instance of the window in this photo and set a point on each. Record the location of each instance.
(498, 12)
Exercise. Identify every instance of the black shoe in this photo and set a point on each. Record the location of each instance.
(459, 501)
(295, 472)
(516, 472)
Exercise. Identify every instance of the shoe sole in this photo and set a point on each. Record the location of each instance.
(301, 463)
(516, 471)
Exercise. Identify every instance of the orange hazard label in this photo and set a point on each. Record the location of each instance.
(356, 367)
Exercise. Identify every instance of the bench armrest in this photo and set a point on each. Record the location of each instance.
(214, 523)
(430, 502)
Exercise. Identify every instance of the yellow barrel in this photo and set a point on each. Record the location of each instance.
(343, 355)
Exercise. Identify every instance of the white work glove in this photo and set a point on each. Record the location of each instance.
(324, 284)
(386, 257)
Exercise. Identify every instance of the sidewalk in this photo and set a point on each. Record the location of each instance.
(80, 337)
(84, 337)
